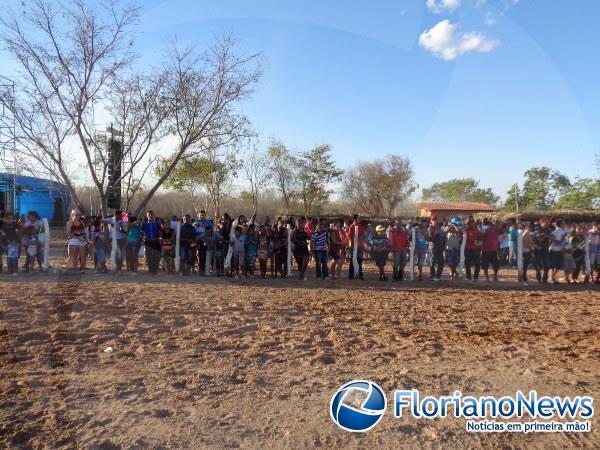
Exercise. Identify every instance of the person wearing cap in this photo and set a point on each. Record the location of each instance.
(379, 248)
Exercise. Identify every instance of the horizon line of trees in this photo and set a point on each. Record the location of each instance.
(282, 182)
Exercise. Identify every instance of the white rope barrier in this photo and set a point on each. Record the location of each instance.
(113, 248)
(207, 262)
(177, 247)
(461, 262)
(289, 250)
(46, 228)
(588, 262)
(355, 270)
(520, 253)
(229, 256)
(412, 253)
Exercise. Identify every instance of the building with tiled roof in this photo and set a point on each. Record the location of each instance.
(453, 209)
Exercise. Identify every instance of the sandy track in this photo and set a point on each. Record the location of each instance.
(212, 364)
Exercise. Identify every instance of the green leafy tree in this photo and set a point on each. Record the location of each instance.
(542, 188)
(316, 171)
(584, 193)
(208, 173)
(459, 190)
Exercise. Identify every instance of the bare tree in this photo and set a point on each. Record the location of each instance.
(205, 91)
(138, 107)
(256, 171)
(281, 166)
(72, 55)
(68, 53)
(378, 187)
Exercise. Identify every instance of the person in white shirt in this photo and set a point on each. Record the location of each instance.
(557, 246)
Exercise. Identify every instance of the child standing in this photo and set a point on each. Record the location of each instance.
(30, 242)
(12, 259)
(251, 247)
(12, 238)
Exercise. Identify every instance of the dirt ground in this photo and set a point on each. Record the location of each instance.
(216, 363)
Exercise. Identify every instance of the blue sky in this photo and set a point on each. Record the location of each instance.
(482, 88)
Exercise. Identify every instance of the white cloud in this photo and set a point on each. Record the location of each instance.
(445, 41)
(489, 19)
(438, 6)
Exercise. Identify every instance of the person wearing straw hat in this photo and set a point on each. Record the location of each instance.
(379, 248)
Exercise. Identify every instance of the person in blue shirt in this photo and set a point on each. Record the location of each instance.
(152, 228)
(421, 246)
(134, 241)
(251, 247)
(200, 226)
(512, 236)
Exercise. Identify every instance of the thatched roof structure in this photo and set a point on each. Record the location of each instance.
(527, 216)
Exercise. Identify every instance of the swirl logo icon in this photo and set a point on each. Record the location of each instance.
(358, 406)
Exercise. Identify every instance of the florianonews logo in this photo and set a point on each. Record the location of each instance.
(358, 405)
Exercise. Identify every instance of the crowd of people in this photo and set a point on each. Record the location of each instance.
(244, 247)
(21, 235)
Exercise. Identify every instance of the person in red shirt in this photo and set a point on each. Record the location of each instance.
(399, 244)
(491, 244)
(309, 227)
(351, 231)
(473, 250)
